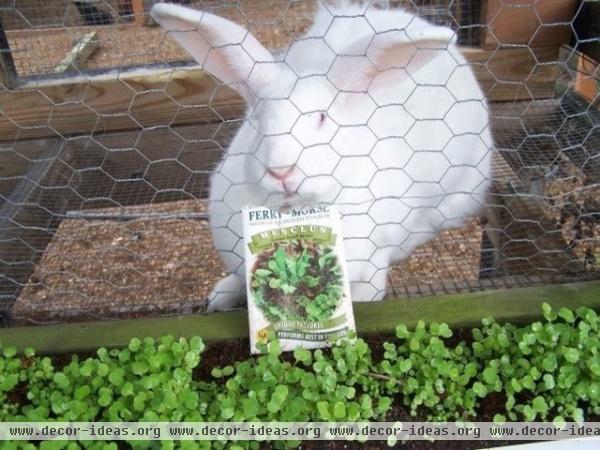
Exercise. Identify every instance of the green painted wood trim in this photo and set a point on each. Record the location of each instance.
(516, 305)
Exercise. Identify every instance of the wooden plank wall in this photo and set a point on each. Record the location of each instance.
(186, 96)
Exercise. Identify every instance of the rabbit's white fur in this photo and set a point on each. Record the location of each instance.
(404, 148)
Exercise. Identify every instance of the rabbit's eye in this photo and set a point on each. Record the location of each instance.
(322, 117)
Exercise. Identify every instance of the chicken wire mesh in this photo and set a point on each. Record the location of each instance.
(105, 191)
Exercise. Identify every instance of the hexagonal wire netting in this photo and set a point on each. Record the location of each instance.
(460, 139)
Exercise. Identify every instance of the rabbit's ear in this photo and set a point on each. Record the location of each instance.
(357, 69)
(223, 48)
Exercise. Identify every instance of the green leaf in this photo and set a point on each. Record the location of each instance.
(191, 359)
(528, 383)
(339, 410)
(227, 408)
(275, 283)
(103, 369)
(594, 391)
(440, 329)
(291, 266)
(280, 257)
(139, 402)
(402, 332)
(310, 281)
(529, 413)
(82, 392)
(559, 421)
(116, 377)
(61, 380)
(9, 382)
(471, 369)
(414, 344)
(280, 394)
(480, 389)
(288, 289)
(499, 418)
(548, 381)
(196, 344)
(353, 411)
(490, 375)
(487, 321)
(549, 362)
(594, 365)
(405, 365)
(548, 313)
(323, 410)
(571, 355)
(9, 352)
(135, 344)
(52, 445)
(540, 405)
(302, 355)
(529, 339)
(105, 399)
(262, 272)
(275, 348)
(250, 406)
(577, 415)
(566, 314)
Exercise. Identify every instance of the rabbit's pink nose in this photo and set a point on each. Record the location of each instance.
(280, 172)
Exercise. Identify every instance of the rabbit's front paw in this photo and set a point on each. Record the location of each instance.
(227, 294)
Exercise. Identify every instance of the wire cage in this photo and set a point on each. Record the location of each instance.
(110, 134)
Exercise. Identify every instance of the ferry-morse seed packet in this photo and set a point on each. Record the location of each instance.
(296, 277)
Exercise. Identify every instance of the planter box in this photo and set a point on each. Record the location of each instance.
(519, 305)
(582, 444)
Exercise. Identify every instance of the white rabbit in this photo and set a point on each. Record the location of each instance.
(374, 110)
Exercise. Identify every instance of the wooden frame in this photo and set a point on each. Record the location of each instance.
(8, 72)
(538, 23)
(139, 9)
(518, 305)
(182, 96)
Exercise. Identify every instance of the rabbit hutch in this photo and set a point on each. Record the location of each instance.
(110, 132)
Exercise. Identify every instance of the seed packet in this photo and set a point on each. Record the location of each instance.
(296, 277)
